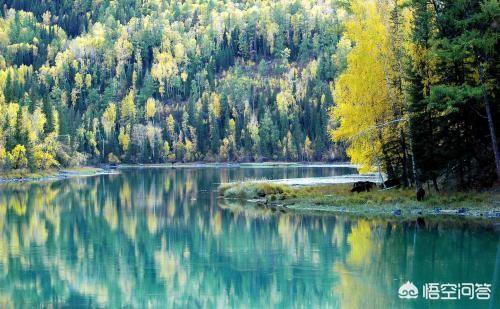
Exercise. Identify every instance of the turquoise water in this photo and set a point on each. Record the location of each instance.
(162, 238)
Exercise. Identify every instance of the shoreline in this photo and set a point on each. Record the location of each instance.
(53, 175)
(402, 212)
(337, 199)
(240, 164)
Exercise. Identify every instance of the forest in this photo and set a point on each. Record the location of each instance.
(408, 87)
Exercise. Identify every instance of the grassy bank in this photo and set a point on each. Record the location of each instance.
(53, 174)
(338, 198)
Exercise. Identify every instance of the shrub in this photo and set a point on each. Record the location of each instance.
(44, 160)
(113, 159)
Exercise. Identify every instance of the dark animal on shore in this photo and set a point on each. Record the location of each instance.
(394, 182)
(362, 186)
(420, 194)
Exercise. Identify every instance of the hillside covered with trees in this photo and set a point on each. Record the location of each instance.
(408, 86)
(156, 81)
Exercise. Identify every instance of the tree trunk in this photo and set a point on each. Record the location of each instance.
(412, 149)
(493, 134)
(491, 124)
(434, 182)
(406, 174)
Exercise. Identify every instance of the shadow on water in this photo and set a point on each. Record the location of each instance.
(162, 237)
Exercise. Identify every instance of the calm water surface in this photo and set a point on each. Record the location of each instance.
(160, 237)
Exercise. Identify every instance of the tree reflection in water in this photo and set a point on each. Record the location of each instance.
(162, 237)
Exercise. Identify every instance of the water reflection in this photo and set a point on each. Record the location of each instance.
(162, 237)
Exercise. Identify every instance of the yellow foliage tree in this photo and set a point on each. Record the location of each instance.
(164, 68)
(283, 100)
(362, 92)
(108, 119)
(166, 149)
(150, 108)
(215, 105)
(128, 110)
(43, 159)
(124, 138)
(170, 126)
(18, 158)
(3, 156)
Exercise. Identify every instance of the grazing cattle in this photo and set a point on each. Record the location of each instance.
(362, 186)
(420, 194)
(357, 189)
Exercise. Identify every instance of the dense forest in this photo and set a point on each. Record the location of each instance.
(156, 81)
(408, 87)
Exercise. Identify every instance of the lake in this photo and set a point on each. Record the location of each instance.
(160, 237)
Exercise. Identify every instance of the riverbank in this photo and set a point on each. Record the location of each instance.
(48, 175)
(337, 198)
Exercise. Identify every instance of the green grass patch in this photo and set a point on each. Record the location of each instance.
(251, 190)
(339, 195)
(84, 170)
(26, 174)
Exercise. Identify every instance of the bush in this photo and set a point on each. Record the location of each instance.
(44, 160)
(77, 159)
(113, 159)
